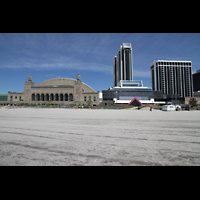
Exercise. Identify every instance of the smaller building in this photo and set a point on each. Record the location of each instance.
(14, 96)
(133, 93)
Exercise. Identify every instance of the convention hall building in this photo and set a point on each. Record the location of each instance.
(64, 91)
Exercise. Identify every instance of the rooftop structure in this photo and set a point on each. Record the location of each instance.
(133, 83)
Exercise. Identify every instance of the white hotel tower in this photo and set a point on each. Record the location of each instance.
(172, 77)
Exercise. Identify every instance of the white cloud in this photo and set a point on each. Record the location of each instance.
(55, 51)
(85, 66)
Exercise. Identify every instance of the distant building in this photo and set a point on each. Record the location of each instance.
(123, 64)
(54, 91)
(196, 81)
(170, 84)
(132, 93)
(172, 77)
(125, 89)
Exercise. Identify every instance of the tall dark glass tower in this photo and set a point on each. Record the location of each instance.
(196, 81)
(123, 64)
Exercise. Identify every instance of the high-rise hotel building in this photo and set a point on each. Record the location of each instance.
(172, 77)
(123, 64)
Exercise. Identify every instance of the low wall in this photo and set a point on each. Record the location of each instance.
(13, 103)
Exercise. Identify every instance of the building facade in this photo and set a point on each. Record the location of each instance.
(171, 81)
(172, 77)
(196, 81)
(123, 64)
(55, 91)
(133, 93)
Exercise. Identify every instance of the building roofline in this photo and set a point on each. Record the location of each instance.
(39, 84)
(155, 61)
(175, 60)
(54, 86)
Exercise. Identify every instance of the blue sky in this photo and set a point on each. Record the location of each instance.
(53, 55)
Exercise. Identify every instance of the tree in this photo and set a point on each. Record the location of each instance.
(193, 102)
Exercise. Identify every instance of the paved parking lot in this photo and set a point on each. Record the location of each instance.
(35, 136)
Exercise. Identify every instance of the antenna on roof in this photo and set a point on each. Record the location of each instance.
(78, 77)
(29, 77)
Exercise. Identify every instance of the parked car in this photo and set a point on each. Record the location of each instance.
(169, 107)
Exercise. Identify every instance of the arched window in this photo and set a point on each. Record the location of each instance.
(42, 97)
(33, 97)
(71, 97)
(66, 97)
(61, 97)
(52, 97)
(56, 97)
(47, 97)
(38, 97)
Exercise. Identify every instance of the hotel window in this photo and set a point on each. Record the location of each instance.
(15, 97)
(85, 98)
(94, 99)
(89, 98)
